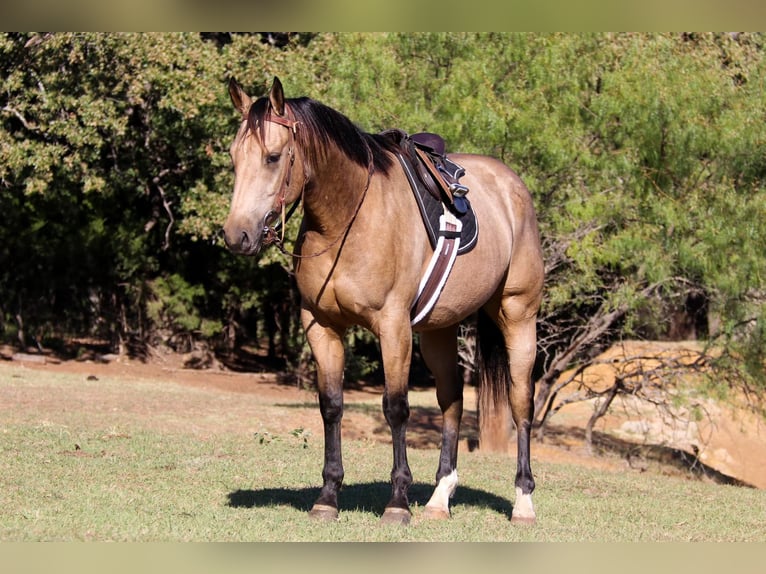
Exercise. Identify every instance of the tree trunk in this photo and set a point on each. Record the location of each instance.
(600, 412)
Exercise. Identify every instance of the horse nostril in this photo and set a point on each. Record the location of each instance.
(239, 239)
(235, 240)
(244, 240)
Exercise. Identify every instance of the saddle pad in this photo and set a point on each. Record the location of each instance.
(431, 209)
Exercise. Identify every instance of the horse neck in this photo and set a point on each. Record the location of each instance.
(337, 189)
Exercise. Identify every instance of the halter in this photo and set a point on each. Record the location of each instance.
(270, 232)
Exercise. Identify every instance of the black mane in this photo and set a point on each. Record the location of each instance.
(321, 126)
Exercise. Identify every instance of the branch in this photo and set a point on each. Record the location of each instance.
(647, 377)
(596, 327)
(601, 411)
(576, 397)
(166, 204)
(30, 126)
(555, 251)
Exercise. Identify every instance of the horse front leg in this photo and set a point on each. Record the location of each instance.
(396, 349)
(327, 347)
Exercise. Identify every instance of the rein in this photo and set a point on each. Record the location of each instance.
(271, 233)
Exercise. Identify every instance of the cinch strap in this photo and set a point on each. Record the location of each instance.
(439, 267)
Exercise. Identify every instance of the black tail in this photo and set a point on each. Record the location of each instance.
(494, 389)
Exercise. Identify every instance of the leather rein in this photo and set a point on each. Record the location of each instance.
(275, 232)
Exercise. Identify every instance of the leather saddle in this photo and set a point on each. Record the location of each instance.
(434, 179)
(436, 171)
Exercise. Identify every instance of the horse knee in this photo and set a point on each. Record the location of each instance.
(396, 409)
(331, 407)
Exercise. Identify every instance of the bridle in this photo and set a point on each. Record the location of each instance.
(275, 233)
(271, 232)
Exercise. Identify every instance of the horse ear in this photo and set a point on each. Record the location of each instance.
(238, 97)
(277, 97)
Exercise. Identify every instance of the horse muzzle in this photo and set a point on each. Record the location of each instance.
(242, 242)
(247, 240)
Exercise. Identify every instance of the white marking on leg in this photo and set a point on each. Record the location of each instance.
(443, 492)
(523, 510)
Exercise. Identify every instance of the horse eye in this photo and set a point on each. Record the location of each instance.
(272, 158)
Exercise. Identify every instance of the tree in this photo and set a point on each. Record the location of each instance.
(637, 148)
(644, 154)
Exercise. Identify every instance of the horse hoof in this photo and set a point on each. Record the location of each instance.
(523, 509)
(433, 513)
(323, 512)
(524, 520)
(396, 516)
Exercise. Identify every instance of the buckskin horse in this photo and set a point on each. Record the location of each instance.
(359, 258)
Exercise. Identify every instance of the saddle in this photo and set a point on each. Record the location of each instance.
(444, 173)
(447, 213)
(434, 180)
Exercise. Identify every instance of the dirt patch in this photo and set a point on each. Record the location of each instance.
(209, 402)
(725, 441)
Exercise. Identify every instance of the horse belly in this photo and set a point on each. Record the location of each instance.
(479, 275)
(470, 285)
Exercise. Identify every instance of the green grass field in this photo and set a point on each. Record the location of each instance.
(154, 487)
(89, 480)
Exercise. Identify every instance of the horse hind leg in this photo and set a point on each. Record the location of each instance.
(439, 349)
(507, 346)
(521, 345)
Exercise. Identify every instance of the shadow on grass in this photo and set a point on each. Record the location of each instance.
(366, 497)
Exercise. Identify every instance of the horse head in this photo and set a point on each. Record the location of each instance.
(263, 154)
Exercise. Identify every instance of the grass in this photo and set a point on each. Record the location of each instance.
(87, 480)
(160, 487)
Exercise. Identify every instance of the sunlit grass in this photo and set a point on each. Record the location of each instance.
(147, 486)
(78, 473)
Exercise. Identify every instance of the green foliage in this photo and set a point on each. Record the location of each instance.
(644, 153)
(100, 135)
(173, 306)
(362, 354)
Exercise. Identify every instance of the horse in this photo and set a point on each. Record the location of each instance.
(361, 250)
